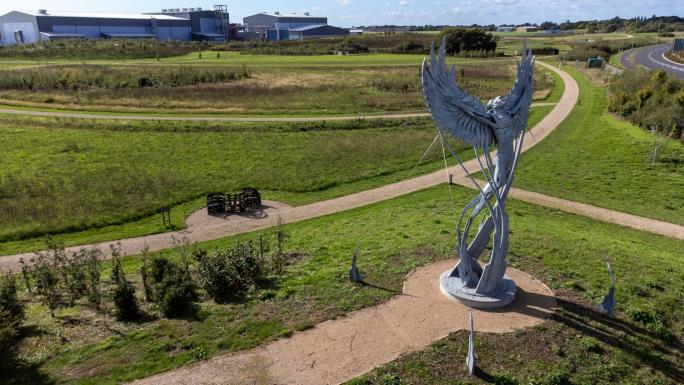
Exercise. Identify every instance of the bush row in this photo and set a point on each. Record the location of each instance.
(79, 77)
(99, 49)
(61, 279)
(653, 101)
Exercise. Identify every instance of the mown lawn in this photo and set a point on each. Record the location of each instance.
(93, 181)
(567, 252)
(593, 157)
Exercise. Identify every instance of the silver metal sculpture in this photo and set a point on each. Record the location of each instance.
(500, 123)
(607, 306)
(471, 360)
(354, 273)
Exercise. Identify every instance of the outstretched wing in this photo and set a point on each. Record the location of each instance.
(519, 100)
(454, 110)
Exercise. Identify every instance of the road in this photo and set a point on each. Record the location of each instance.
(653, 58)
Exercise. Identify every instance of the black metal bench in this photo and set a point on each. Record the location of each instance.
(220, 203)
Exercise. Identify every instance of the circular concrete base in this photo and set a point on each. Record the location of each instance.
(454, 290)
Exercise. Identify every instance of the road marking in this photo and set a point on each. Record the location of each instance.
(650, 56)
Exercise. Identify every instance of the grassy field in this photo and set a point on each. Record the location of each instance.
(398, 236)
(310, 85)
(51, 178)
(595, 158)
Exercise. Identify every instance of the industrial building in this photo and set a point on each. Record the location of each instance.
(290, 26)
(184, 24)
(527, 28)
(505, 28)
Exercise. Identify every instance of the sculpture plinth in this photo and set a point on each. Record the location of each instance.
(500, 124)
(453, 288)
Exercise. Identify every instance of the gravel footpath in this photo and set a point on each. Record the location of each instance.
(336, 351)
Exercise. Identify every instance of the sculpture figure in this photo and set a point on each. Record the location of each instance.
(471, 359)
(501, 123)
(607, 306)
(354, 273)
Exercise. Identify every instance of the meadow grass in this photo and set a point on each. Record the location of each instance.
(567, 252)
(279, 85)
(131, 147)
(268, 91)
(595, 158)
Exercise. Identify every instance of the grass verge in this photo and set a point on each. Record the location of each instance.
(566, 251)
(595, 158)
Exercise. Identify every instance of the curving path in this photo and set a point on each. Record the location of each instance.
(209, 118)
(653, 58)
(205, 229)
(336, 351)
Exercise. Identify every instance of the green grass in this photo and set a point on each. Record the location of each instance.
(206, 157)
(398, 235)
(280, 85)
(595, 158)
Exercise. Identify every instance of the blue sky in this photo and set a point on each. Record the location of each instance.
(347, 13)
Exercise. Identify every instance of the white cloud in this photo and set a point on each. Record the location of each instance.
(403, 3)
(344, 3)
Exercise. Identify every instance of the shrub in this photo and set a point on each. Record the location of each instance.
(47, 282)
(229, 275)
(649, 100)
(92, 271)
(11, 312)
(467, 39)
(545, 51)
(125, 302)
(173, 288)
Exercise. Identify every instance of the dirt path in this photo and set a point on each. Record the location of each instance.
(339, 350)
(255, 119)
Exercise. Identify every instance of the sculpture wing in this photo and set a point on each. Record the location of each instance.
(454, 111)
(519, 100)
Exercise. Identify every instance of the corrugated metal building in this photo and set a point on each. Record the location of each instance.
(205, 24)
(290, 26)
(21, 27)
(316, 31)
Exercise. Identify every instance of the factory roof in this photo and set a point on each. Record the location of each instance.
(285, 14)
(102, 15)
(307, 27)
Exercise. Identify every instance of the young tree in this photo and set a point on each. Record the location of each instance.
(228, 275)
(92, 272)
(173, 289)
(143, 274)
(11, 312)
(278, 257)
(47, 282)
